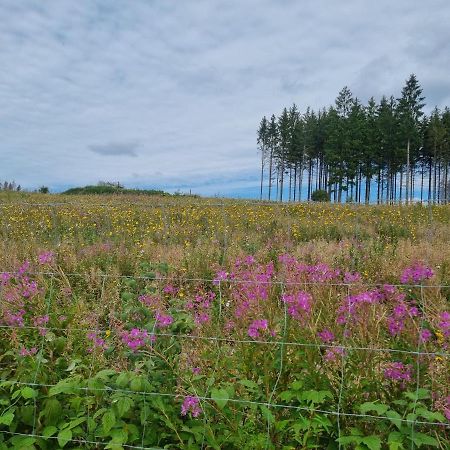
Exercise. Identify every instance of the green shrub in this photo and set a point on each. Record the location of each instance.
(320, 195)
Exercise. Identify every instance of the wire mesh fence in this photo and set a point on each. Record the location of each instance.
(271, 325)
(159, 340)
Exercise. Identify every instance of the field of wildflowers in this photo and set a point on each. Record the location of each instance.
(189, 324)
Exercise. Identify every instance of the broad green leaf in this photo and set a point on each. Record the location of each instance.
(373, 442)
(7, 418)
(28, 392)
(136, 384)
(123, 405)
(74, 423)
(395, 418)
(123, 380)
(379, 408)
(349, 440)
(108, 420)
(20, 442)
(423, 439)
(248, 383)
(395, 440)
(64, 436)
(49, 431)
(220, 396)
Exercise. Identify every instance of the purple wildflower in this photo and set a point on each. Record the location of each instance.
(191, 404)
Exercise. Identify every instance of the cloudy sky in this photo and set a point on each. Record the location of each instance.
(170, 93)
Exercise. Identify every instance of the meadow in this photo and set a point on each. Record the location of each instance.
(185, 323)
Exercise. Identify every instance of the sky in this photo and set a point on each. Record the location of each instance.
(169, 94)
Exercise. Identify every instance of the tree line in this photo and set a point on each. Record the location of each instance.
(388, 152)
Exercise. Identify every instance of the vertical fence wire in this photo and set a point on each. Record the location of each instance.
(40, 353)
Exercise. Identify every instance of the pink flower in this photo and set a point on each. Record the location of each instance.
(24, 352)
(416, 274)
(163, 321)
(299, 304)
(45, 257)
(350, 277)
(326, 335)
(425, 335)
(136, 339)
(256, 326)
(332, 354)
(398, 372)
(220, 276)
(191, 404)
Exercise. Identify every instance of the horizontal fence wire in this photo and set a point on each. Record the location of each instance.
(231, 281)
(237, 341)
(205, 204)
(232, 400)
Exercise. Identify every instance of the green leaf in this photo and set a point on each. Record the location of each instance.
(64, 436)
(220, 396)
(136, 384)
(122, 380)
(7, 418)
(21, 442)
(373, 442)
(123, 405)
(379, 408)
(395, 440)
(49, 431)
(108, 420)
(76, 422)
(423, 439)
(28, 392)
(267, 414)
(395, 418)
(349, 440)
(249, 384)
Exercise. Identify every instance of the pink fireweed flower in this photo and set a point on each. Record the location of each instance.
(221, 275)
(350, 277)
(149, 300)
(447, 408)
(45, 258)
(401, 312)
(425, 335)
(256, 327)
(321, 273)
(169, 289)
(298, 304)
(326, 335)
(416, 274)
(97, 342)
(444, 324)
(398, 372)
(191, 404)
(23, 268)
(4, 278)
(334, 353)
(163, 320)
(136, 338)
(25, 352)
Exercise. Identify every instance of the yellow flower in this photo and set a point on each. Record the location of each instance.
(108, 333)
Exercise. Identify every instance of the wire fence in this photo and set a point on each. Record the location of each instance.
(281, 342)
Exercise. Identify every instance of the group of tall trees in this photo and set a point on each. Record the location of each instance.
(386, 152)
(9, 186)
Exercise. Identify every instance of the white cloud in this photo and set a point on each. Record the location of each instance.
(182, 85)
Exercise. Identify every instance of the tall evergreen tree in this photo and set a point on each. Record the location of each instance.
(409, 111)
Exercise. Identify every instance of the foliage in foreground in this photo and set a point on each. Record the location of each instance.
(119, 346)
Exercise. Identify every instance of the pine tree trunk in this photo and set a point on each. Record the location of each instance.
(262, 173)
